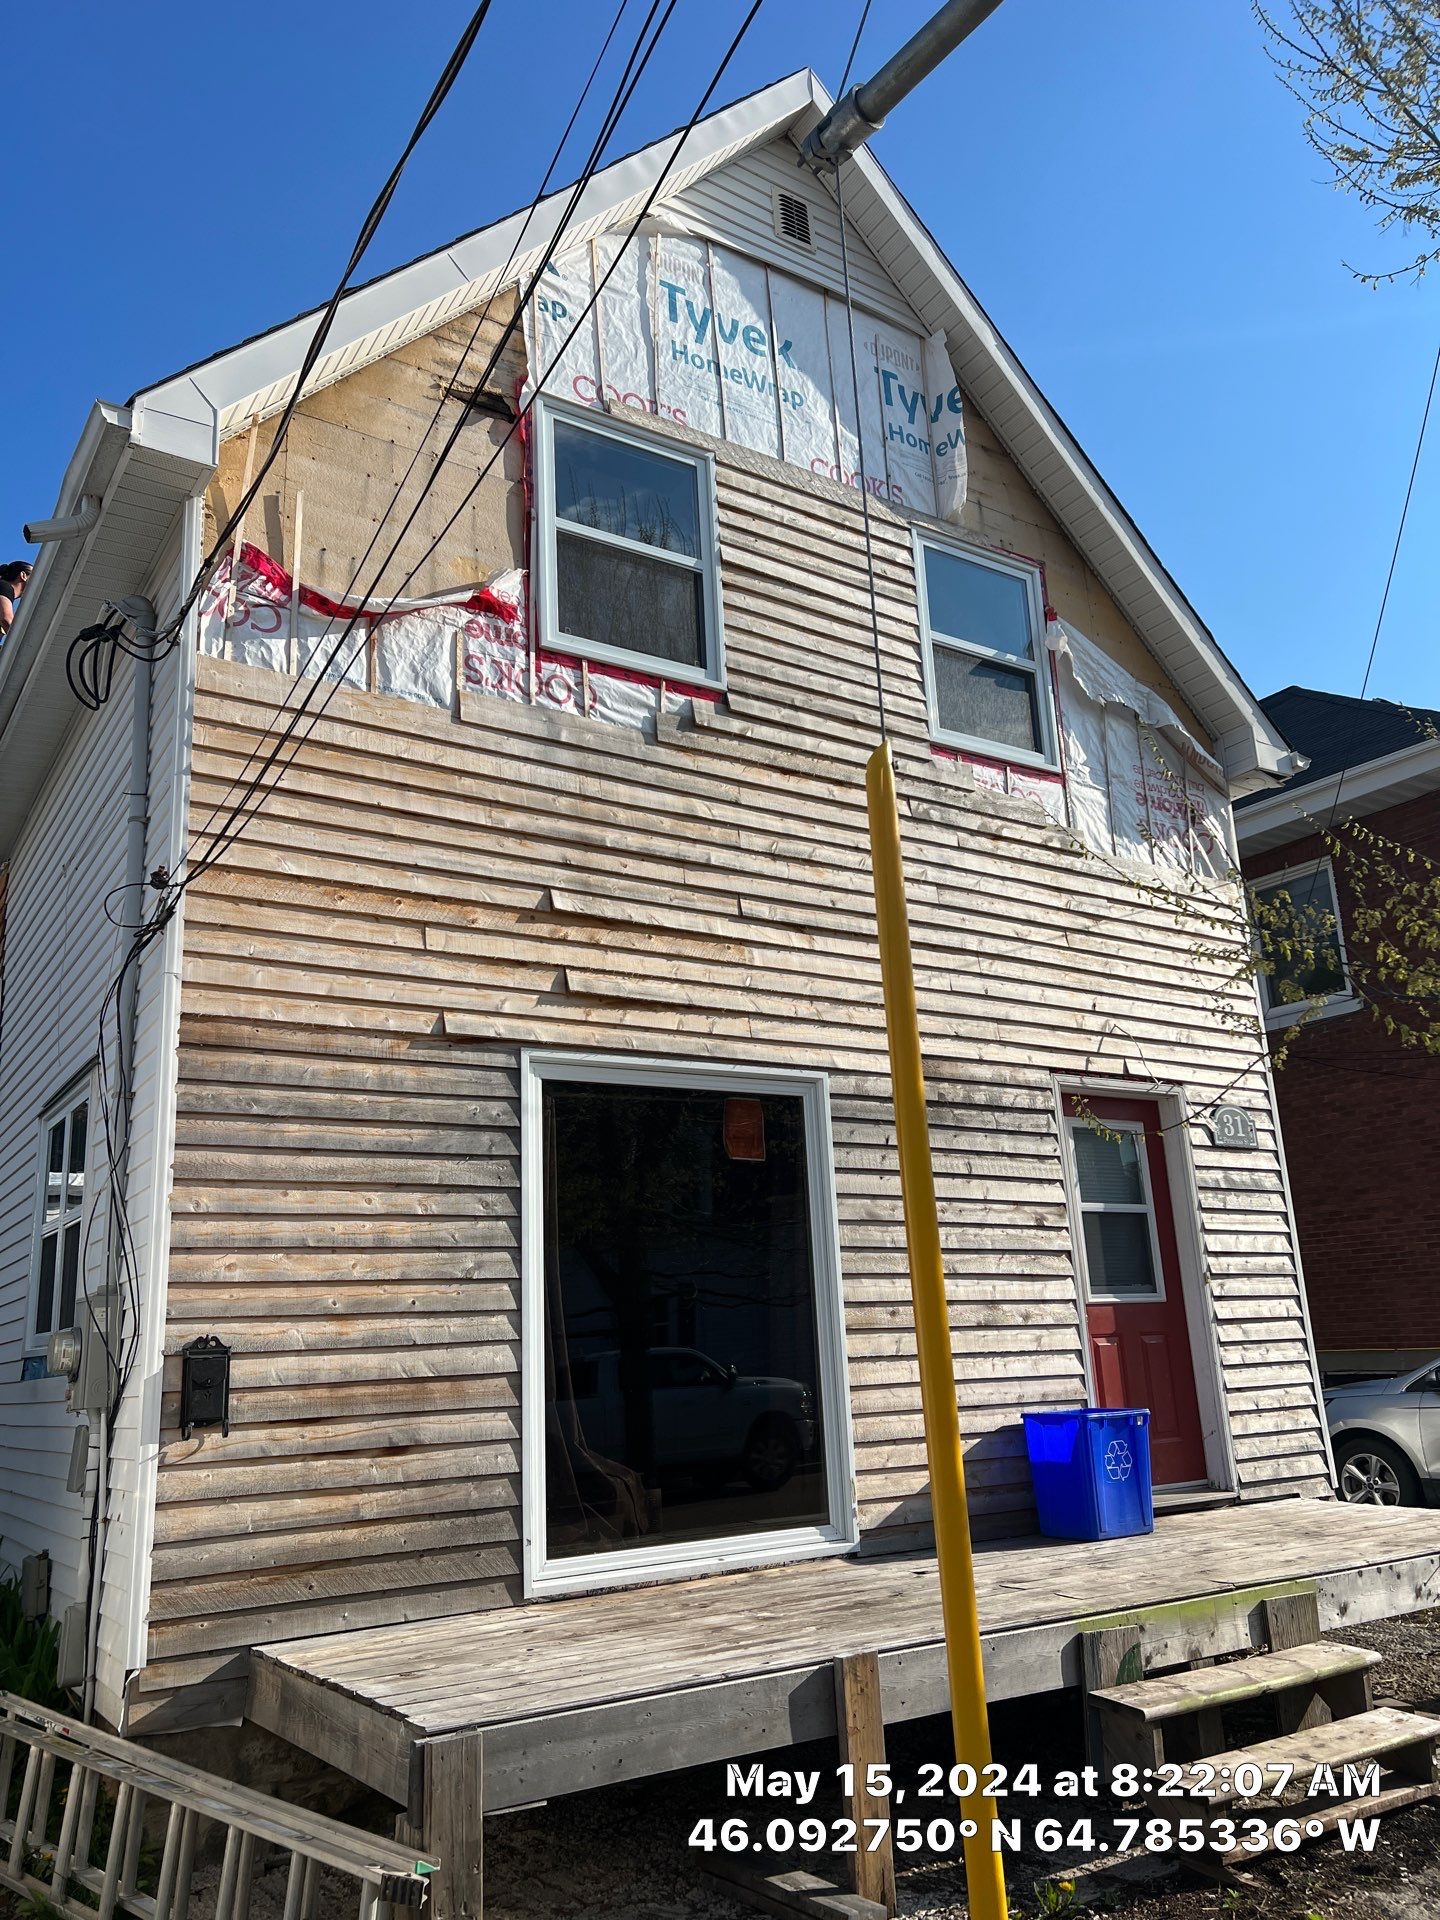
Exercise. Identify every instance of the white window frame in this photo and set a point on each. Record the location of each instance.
(664, 447)
(1284, 1013)
(79, 1093)
(1049, 756)
(629, 1566)
(1074, 1123)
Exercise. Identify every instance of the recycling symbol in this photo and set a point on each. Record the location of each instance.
(1119, 1462)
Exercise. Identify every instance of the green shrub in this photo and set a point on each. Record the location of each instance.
(28, 1650)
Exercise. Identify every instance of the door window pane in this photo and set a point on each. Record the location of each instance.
(1118, 1256)
(633, 601)
(1108, 1167)
(622, 489)
(681, 1346)
(984, 701)
(980, 604)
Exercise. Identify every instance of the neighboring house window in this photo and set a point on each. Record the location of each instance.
(1307, 918)
(1112, 1179)
(685, 1395)
(627, 548)
(55, 1273)
(986, 671)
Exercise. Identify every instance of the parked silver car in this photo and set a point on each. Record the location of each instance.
(1386, 1436)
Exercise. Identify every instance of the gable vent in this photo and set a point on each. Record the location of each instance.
(792, 220)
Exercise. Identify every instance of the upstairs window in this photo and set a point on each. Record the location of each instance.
(60, 1204)
(1301, 941)
(627, 549)
(986, 679)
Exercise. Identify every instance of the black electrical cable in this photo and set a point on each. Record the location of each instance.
(624, 91)
(91, 684)
(230, 831)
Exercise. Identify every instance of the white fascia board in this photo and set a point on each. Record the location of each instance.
(91, 470)
(258, 376)
(1264, 749)
(1368, 788)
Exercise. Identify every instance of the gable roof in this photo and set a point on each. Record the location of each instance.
(1337, 731)
(187, 415)
(1365, 756)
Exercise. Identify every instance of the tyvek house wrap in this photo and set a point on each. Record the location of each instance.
(721, 343)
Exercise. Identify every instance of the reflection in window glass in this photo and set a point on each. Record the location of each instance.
(57, 1255)
(1306, 919)
(622, 489)
(681, 1351)
(978, 604)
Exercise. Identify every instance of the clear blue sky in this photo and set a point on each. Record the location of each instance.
(1122, 182)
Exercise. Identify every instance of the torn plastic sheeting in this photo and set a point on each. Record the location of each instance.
(1107, 683)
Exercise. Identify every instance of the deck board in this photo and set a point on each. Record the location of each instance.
(758, 1635)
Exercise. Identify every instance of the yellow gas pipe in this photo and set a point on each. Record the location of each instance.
(984, 1873)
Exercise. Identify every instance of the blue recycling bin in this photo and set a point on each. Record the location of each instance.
(1091, 1468)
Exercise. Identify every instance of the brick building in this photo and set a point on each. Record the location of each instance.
(1359, 1110)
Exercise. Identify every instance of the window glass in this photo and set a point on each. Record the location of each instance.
(69, 1275)
(1118, 1255)
(985, 702)
(55, 1170)
(681, 1343)
(628, 600)
(1108, 1167)
(75, 1173)
(45, 1285)
(978, 604)
(1307, 920)
(626, 490)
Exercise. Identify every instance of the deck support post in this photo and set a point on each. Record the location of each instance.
(1109, 1657)
(1293, 1620)
(447, 1801)
(861, 1727)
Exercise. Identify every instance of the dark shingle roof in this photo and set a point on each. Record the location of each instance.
(1337, 731)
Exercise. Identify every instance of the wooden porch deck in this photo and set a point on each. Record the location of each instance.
(566, 1694)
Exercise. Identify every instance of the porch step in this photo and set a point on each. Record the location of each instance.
(1256, 1677)
(1336, 1744)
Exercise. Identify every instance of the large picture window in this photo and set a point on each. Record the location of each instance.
(627, 548)
(986, 675)
(59, 1218)
(685, 1398)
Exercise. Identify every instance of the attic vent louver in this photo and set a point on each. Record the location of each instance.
(792, 220)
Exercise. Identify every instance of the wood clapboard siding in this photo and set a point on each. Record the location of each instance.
(421, 897)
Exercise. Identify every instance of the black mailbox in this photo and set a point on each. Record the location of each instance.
(204, 1384)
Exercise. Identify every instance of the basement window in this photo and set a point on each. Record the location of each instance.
(626, 548)
(987, 676)
(58, 1246)
(685, 1398)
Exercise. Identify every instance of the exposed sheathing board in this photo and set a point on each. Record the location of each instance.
(421, 898)
(348, 449)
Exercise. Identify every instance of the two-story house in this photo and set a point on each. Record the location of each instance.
(1358, 1106)
(508, 1093)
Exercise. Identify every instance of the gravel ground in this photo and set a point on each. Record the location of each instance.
(621, 1854)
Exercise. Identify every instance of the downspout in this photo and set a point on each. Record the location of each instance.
(142, 615)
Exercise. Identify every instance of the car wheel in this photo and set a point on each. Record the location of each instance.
(772, 1453)
(1372, 1473)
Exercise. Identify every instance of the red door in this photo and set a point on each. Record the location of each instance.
(1135, 1303)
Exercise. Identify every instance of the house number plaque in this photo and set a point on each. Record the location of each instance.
(1232, 1127)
